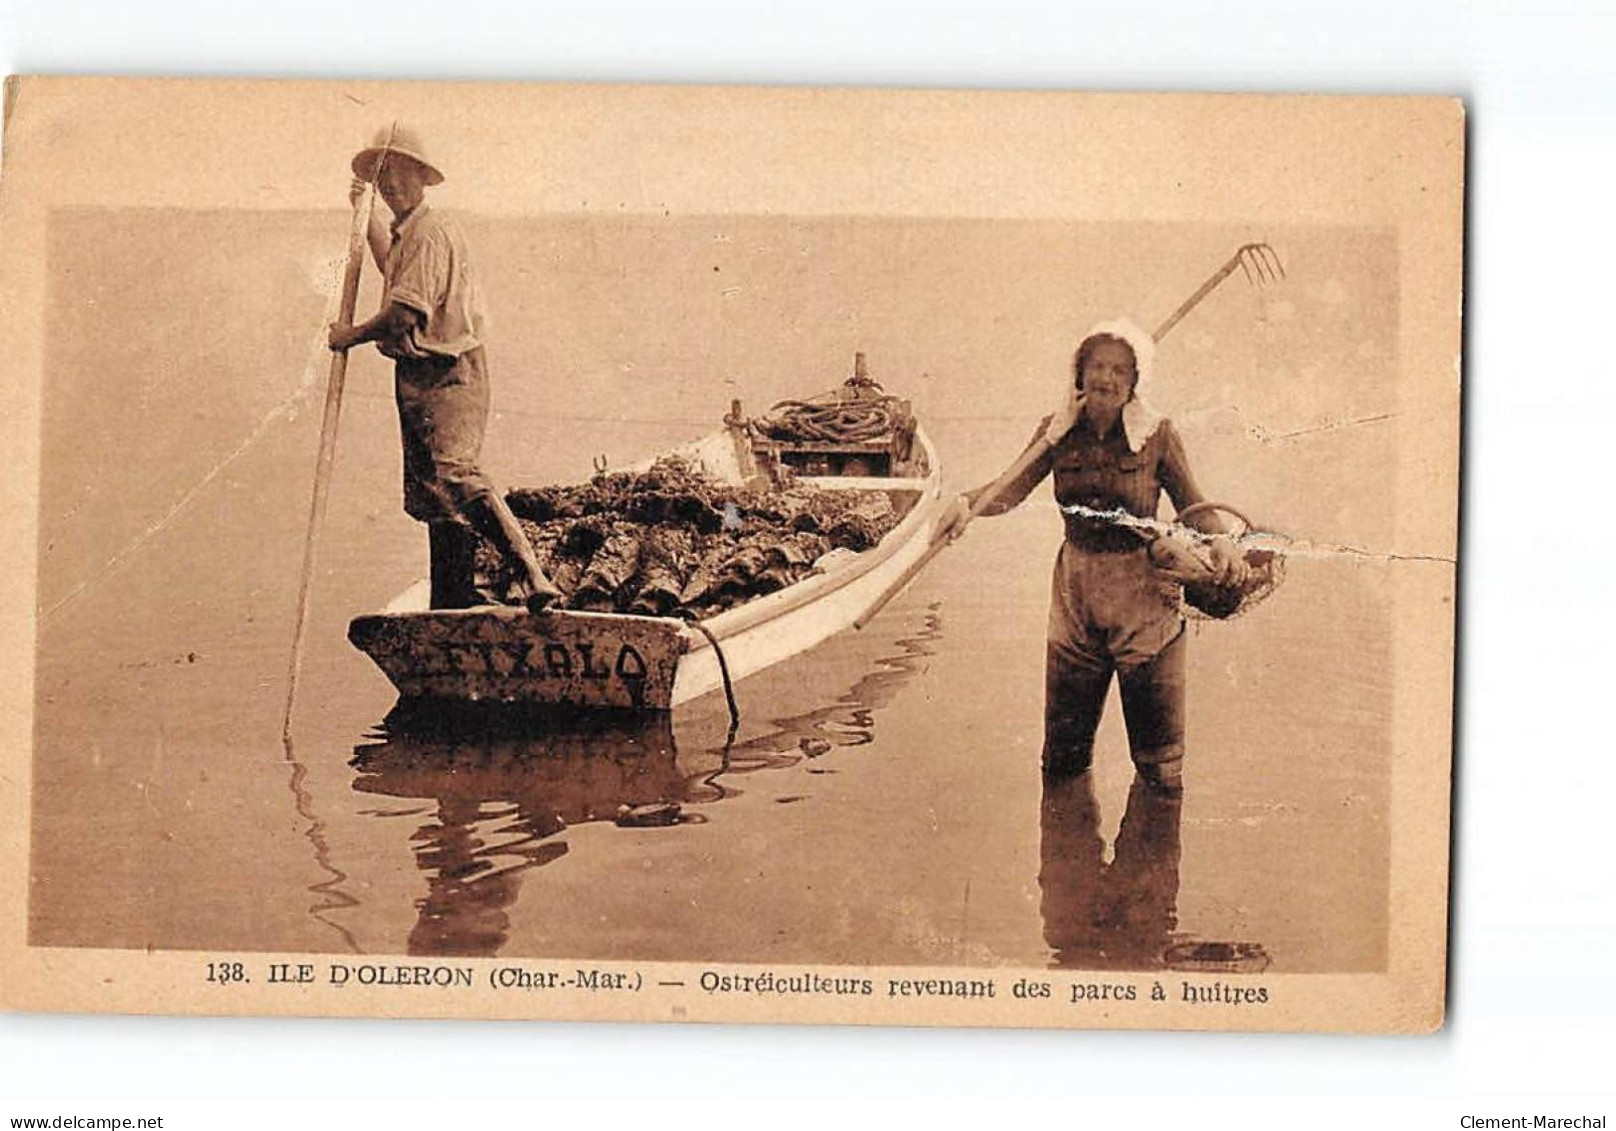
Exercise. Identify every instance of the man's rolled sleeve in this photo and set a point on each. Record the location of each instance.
(421, 278)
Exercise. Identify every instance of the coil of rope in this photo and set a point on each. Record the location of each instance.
(861, 417)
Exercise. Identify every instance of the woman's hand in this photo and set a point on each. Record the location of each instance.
(954, 521)
(356, 192)
(1064, 418)
(1228, 563)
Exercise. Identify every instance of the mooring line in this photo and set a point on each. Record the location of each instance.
(723, 671)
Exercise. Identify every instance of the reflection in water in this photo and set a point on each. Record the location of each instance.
(503, 794)
(849, 721)
(1120, 915)
(464, 909)
(328, 893)
(503, 789)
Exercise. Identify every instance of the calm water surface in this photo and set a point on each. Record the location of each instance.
(881, 802)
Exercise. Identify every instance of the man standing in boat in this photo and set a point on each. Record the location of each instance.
(431, 324)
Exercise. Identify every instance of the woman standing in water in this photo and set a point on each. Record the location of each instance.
(1109, 611)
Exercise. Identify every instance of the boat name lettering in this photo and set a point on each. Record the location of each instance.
(552, 659)
(587, 651)
(630, 664)
(559, 660)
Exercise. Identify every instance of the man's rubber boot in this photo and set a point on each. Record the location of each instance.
(495, 522)
(453, 548)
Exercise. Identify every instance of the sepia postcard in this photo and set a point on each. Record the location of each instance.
(651, 553)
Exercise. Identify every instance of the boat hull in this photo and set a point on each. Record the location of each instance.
(508, 655)
(568, 659)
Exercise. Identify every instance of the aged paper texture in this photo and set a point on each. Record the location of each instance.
(953, 788)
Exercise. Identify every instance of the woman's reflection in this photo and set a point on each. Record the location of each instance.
(1102, 916)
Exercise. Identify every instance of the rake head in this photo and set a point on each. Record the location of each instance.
(1260, 263)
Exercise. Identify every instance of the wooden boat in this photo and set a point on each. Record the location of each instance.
(572, 659)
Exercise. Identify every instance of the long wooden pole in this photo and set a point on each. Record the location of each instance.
(983, 501)
(1194, 300)
(328, 444)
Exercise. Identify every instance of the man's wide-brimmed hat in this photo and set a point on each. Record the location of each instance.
(398, 140)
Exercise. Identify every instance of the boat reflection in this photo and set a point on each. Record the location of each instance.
(1120, 915)
(503, 788)
(847, 721)
(503, 796)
